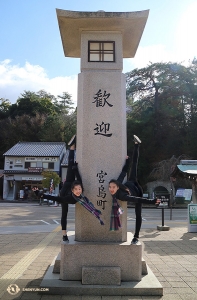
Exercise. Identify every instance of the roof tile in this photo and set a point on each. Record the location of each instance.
(36, 149)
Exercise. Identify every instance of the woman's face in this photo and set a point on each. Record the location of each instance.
(77, 190)
(113, 188)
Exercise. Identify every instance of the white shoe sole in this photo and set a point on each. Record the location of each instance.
(136, 139)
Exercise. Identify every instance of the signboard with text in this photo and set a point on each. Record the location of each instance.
(193, 214)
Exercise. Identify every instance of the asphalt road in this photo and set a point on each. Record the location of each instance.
(31, 217)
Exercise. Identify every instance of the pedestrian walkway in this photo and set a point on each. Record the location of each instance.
(25, 257)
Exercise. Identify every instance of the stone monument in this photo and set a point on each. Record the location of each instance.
(97, 257)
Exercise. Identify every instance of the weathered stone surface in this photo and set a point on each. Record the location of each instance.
(56, 268)
(144, 267)
(101, 139)
(76, 255)
(101, 275)
(148, 286)
(56, 265)
(72, 23)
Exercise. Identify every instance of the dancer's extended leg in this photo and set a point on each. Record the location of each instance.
(133, 174)
(66, 189)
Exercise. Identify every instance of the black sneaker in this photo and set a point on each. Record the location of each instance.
(136, 139)
(134, 241)
(65, 239)
(72, 140)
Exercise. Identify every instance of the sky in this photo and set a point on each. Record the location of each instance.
(31, 52)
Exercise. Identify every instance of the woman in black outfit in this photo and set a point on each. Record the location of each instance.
(131, 191)
(66, 189)
(71, 193)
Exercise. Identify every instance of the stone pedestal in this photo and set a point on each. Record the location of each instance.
(100, 281)
(97, 256)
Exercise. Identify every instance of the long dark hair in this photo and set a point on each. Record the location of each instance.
(76, 182)
(120, 185)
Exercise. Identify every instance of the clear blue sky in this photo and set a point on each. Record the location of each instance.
(31, 52)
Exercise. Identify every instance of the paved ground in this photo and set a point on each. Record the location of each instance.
(24, 258)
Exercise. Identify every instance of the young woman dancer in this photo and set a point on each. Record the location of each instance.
(130, 191)
(66, 188)
(71, 193)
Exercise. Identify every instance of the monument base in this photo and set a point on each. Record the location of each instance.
(102, 278)
(148, 286)
(97, 255)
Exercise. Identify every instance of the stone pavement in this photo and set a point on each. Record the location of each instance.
(171, 255)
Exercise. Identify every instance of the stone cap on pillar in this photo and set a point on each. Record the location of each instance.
(73, 23)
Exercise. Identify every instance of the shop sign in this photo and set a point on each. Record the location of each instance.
(32, 178)
(45, 159)
(35, 169)
(193, 213)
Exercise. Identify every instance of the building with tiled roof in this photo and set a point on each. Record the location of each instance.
(36, 149)
(24, 163)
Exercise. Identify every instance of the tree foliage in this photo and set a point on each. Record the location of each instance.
(47, 176)
(162, 110)
(36, 117)
(4, 108)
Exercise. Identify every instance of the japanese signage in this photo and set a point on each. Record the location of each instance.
(101, 189)
(101, 100)
(35, 169)
(47, 159)
(193, 213)
(32, 178)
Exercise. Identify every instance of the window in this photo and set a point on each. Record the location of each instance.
(51, 165)
(101, 51)
(33, 164)
(48, 165)
(27, 165)
(30, 164)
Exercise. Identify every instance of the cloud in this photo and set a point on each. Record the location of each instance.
(154, 54)
(14, 79)
(182, 50)
(185, 37)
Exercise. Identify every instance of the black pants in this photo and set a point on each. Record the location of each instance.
(135, 189)
(66, 189)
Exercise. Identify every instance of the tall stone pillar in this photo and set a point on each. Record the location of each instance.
(101, 135)
(101, 40)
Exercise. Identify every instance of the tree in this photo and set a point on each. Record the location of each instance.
(58, 128)
(4, 108)
(21, 128)
(47, 176)
(31, 103)
(66, 103)
(161, 106)
(166, 93)
(163, 169)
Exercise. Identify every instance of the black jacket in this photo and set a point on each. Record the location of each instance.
(123, 195)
